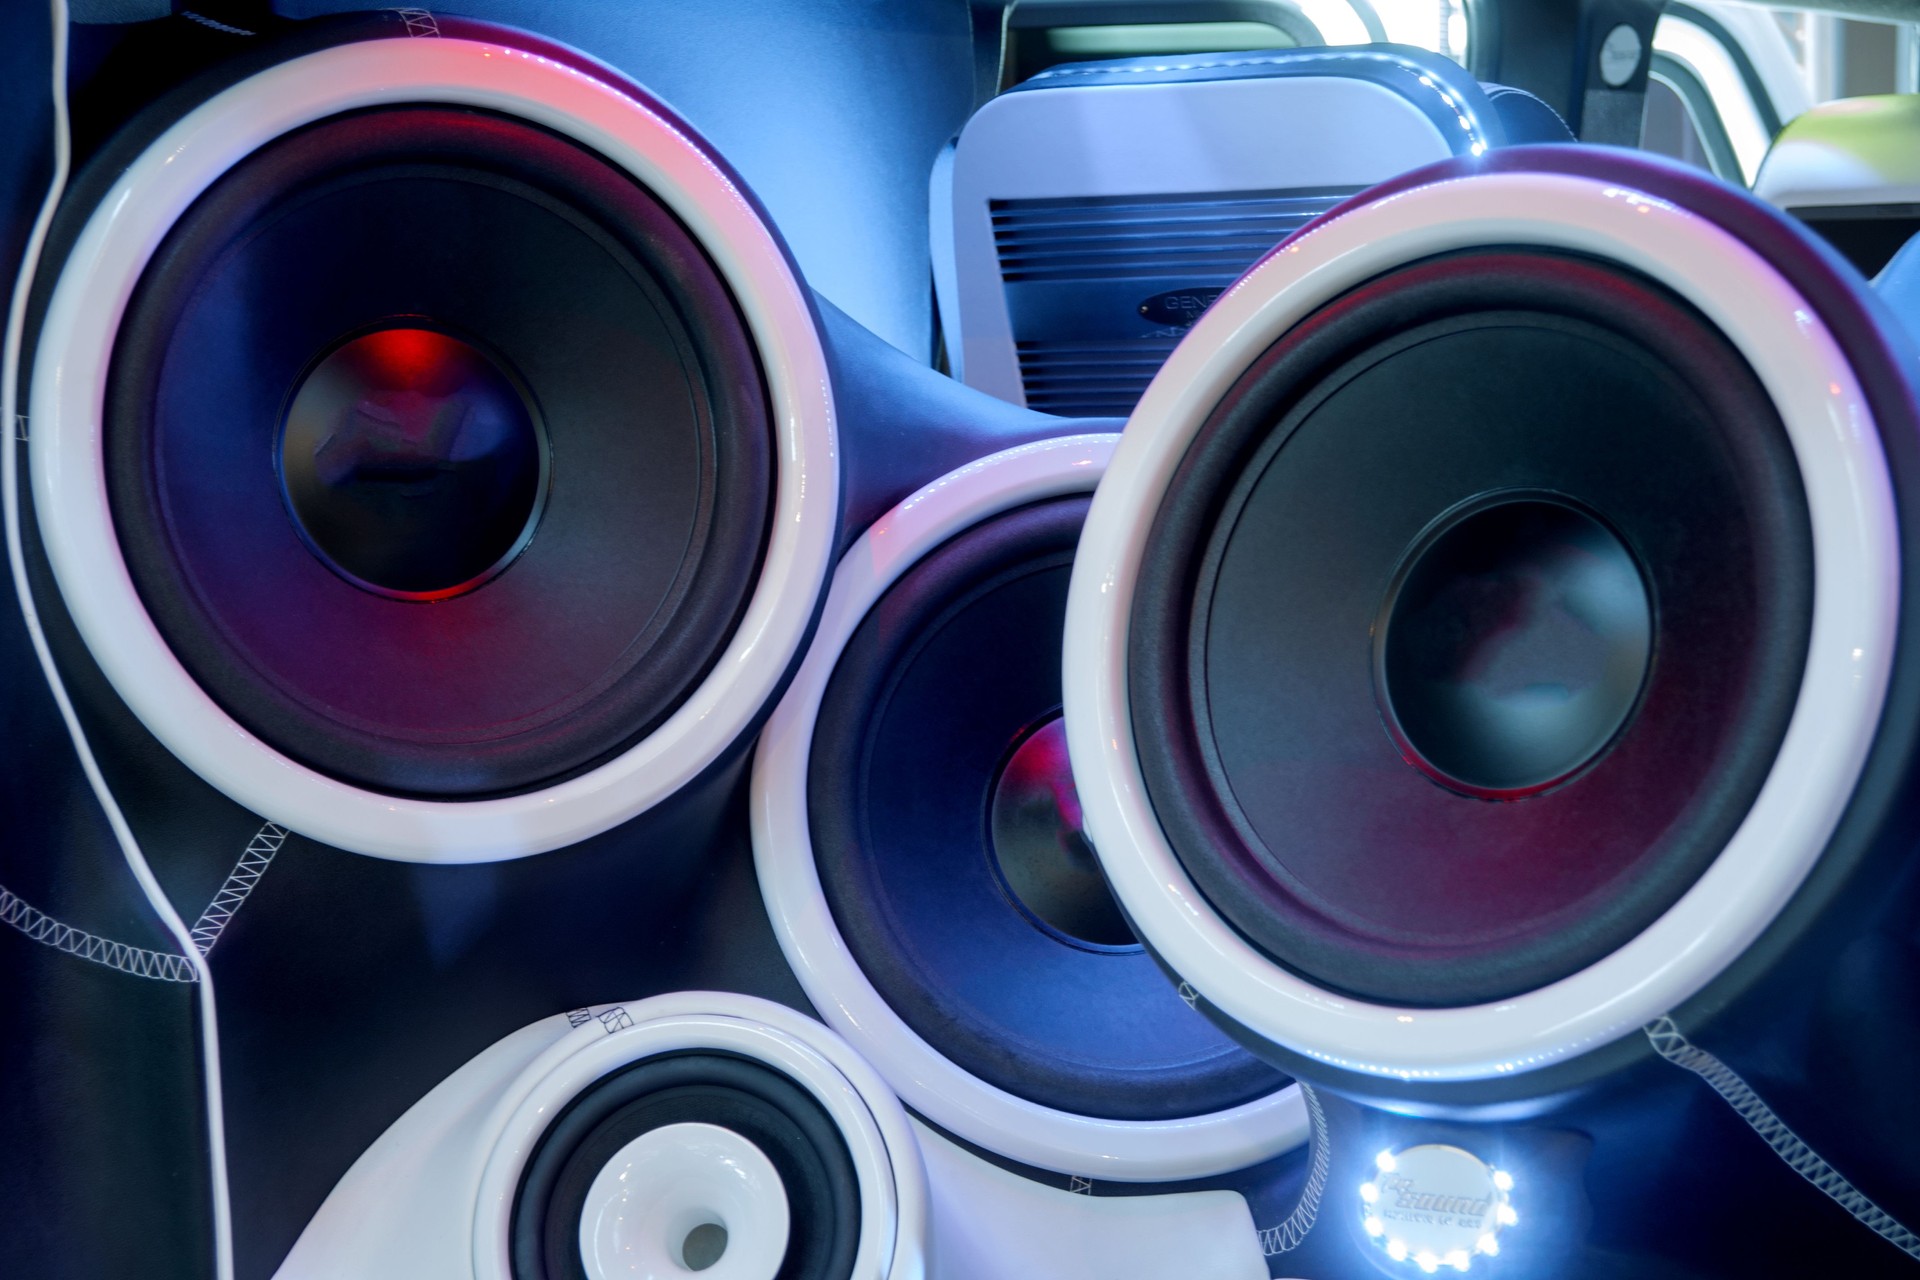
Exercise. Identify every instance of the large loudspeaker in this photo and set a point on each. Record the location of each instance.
(918, 842)
(691, 1133)
(1489, 670)
(429, 442)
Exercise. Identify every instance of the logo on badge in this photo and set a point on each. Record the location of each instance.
(1436, 1206)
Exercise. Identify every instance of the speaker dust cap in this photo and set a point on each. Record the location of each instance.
(1486, 616)
(457, 478)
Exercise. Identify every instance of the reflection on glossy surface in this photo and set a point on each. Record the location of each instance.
(685, 1199)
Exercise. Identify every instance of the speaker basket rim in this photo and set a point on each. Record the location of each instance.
(893, 1188)
(1836, 713)
(628, 128)
(1123, 1150)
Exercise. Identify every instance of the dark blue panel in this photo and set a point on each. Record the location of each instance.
(831, 110)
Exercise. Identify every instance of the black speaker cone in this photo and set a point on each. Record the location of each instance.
(1524, 521)
(1512, 644)
(414, 463)
(439, 452)
(779, 1117)
(946, 834)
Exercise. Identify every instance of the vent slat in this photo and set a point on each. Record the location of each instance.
(1194, 241)
(1083, 379)
(1066, 240)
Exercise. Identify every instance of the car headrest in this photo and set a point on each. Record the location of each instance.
(1851, 170)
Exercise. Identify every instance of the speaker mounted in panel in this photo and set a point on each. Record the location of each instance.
(1491, 657)
(433, 443)
(918, 845)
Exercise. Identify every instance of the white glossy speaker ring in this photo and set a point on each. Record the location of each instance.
(1585, 236)
(419, 703)
(913, 834)
(699, 1133)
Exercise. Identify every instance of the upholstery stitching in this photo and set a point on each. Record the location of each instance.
(205, 21)
(1671, 1044)
(1290, 1234)
(240, 881)
(162, 966)
(420, 22)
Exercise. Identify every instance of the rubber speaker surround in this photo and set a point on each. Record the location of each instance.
(953, 669)
(590, 295)
(748, 1098)
(1263, 741)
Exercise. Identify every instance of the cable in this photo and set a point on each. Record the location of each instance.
(16, 561)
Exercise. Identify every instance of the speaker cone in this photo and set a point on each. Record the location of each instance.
(701, 1132)
(1515, 497)
(452, 437)
(920, 847)
(1474, 645)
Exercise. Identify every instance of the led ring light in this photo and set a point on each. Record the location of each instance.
(75, 353)
(892, 1181)
(1856, 590)
(1157, 1150)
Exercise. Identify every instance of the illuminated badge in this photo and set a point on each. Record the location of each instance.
(1436, 1206)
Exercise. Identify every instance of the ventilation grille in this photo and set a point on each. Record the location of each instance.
(1077, 272)
(1144, 239)
(1090, 379)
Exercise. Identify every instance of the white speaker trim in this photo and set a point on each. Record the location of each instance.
(1856, 594)
(1120, 1150)
(992, 1224)
(69, 486)
(893, 1188)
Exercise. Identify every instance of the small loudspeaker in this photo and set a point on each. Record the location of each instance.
(919, 846)
(429, 440)
(1488, 658)
(692, 1133)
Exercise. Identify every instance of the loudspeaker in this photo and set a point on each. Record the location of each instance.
(695, 1132)
(428, 442)
(1488, 683)
(918, 842)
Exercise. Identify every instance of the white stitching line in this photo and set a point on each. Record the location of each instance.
(1671, 1044)
(1292, 1233)
(420, 22)
(240, 881)
(205, 21)
(138, 961)
(163, 966)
